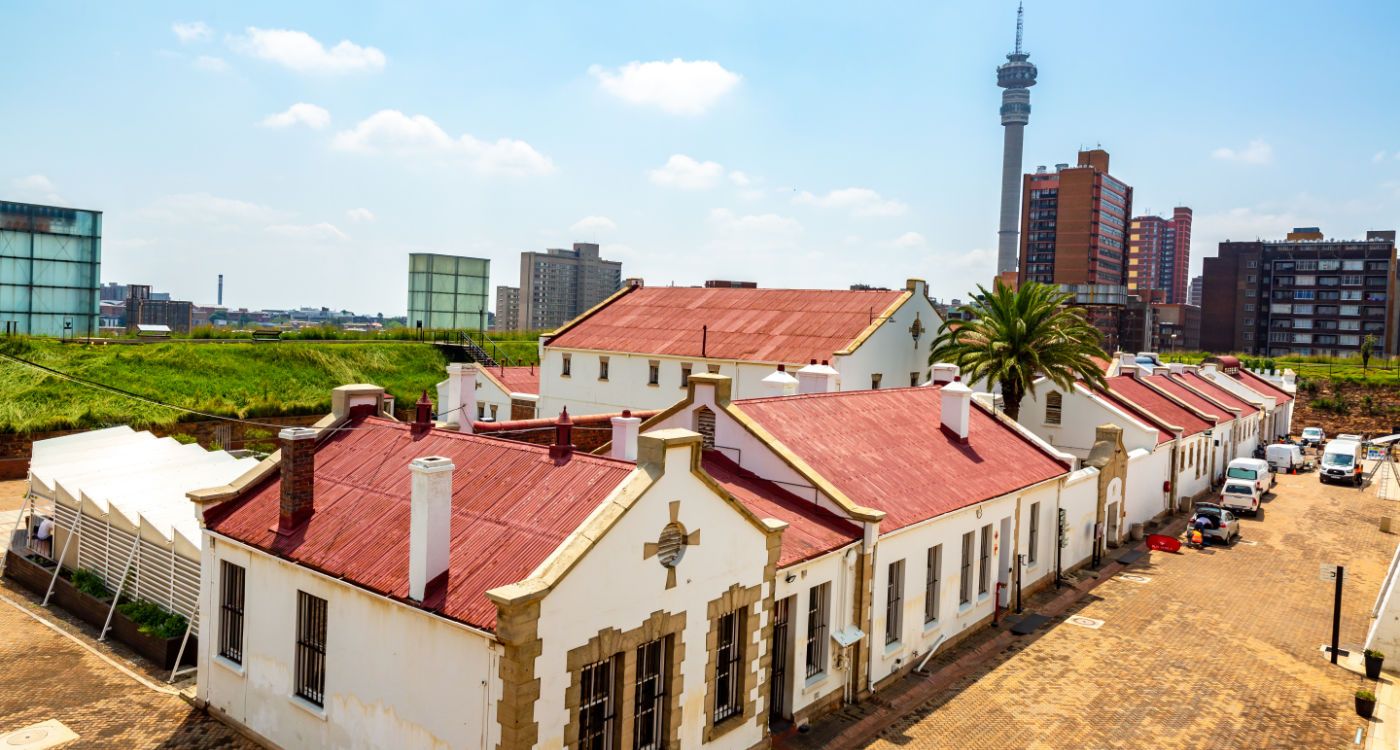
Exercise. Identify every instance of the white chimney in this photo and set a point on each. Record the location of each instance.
(1125, 361)
(430, 522)
(944, 372)
(1177, 368)
(955, 410)
(780, 383)
(460, 408)
(1208, 369)
(624, 436)
(816, 378)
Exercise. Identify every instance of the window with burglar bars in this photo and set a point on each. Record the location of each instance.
(931, 588)
(597, 707)
(984, 565)
(729, 668)
(1033, 548)
(231, 612)
(311, 648)
(894, 603)
(817, 604)
(649, 723)
(965, 573)
(1054, 404)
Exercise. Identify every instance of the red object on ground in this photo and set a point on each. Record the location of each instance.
(1163, 543)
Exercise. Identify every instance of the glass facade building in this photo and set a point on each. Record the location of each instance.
(50, 262)
(447, 291)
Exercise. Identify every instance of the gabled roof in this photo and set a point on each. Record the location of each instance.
(884, 450)
(512, 505)
(1209, 387)
(812, 530)
(1127, 390)
(755, 325)
(1191, 398)
(1263, 386)
(515, 379)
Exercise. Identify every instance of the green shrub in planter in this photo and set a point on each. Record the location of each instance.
(1365, 695)
(153, 619)
(90, 583)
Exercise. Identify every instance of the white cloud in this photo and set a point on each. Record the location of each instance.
(191, 31)
(594, 224)
(740, 179)
(36, 188)
(320, 232)
(910, 240)
(359, 215)
(209, 209)
(1242, 225)
(1257, 152)
(859, 201)
(686, 173)
(309, 115)
(1380, 157)
(303, 53)
(768, 226)
(390, 131)
(211, 64)
(678, 87)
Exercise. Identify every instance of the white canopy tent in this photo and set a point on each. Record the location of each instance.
(117, 500)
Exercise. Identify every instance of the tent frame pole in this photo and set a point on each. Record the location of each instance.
(58, 564)
(179, 656)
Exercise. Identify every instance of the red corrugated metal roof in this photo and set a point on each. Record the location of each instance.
(511, 507)
(812, 530)
(1156, 404)
(518, 379)
(1192, 399)
(1142, 414)
(761, 325)
(1208, 387)
(1263, 386)
(884, 450)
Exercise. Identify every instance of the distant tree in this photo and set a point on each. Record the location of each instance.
(1368, 345)
(1013, 336)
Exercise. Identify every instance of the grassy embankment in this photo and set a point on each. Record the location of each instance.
(1335, 369)
(233, 379)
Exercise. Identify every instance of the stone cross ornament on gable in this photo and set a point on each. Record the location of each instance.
(917, 329)
(670, 546)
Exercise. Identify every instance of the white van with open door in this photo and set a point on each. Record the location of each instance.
(1341, 462)
(1253, 470)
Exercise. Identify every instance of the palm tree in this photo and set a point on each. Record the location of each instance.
(1013, 336)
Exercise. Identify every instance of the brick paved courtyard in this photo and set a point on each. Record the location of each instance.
(1218, 650)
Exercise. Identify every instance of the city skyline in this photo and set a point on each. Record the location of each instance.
(788, 145)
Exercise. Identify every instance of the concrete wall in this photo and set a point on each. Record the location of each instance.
(395, 676)
(1079, 497)
(838, 569)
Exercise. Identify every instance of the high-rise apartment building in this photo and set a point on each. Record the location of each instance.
(1074, 228)
(558, 285)
(507, 308)
(447, 291)
(1194, 294)
(1159, 254)
(1302, 295)
(50, 261)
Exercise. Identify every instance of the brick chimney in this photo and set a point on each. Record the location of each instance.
(429, 523)
(563, 446)
(624, 436)
(298, 469)
(422, 415)
(955, 410)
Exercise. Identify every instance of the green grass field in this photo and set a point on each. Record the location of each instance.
(1339, 369)
(227, 379)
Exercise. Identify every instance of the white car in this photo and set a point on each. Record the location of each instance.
(1241, 496)
(1313, 436)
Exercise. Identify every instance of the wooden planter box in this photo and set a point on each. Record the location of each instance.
(162, 651)
(27, 573)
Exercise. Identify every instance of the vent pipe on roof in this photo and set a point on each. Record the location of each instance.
(430, 522)
(298, 470)
(624, 436)
(563, 446)
(955, 409)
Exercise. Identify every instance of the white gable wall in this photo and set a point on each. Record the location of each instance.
(395, 676)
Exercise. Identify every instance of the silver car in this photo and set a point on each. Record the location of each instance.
(1223, 526)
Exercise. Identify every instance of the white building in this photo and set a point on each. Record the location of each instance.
(501, 393)
(639, 347)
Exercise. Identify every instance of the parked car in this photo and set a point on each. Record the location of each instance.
(1313, 436)
(1241, 496)
(1223, 524)
(1284, 457)
(1341, 462)
(1252, 469)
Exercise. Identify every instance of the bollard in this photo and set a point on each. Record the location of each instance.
(1385, 524)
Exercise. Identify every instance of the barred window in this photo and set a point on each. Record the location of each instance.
(1033, 548)
(729, 666)
(931, 585)
(231, 612)
(568, 362)
(965, 573)
(685, 374)
(311, 648)
(602, 368)
(894, 603)
(653, 372)
(984, 567)
(597, 708)
(649, 722)
(1054, 403)
(817, 628)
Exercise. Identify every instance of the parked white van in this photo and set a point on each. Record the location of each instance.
(1240, 495)
(1254, 470)
(1284, 457)
(1341, 462)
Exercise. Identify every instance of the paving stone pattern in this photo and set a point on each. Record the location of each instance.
(1219, 650)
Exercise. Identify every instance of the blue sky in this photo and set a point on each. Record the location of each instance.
(303, 149)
